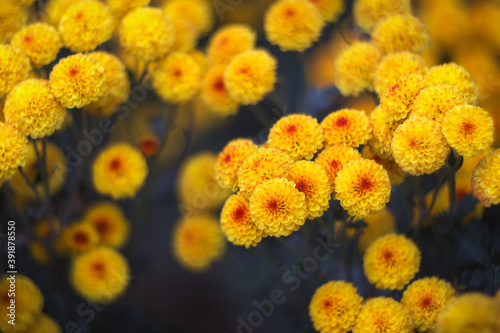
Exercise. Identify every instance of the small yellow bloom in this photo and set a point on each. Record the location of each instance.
(383, 314)
(198, 13)
(368, 13)
(378, 225)
(485, 180)
(347, 126)
(397, 100)
(215, 95)
(40, 42)
(15, 68)
(13, 150)
(13, 17)
(110, 223)
(230, 160)
(456, 76)
(435, 101)
(185, 35)
(55, 9)
(330, 9)
(333, 159)
(120, 8)
(78, 238)
(228, 42)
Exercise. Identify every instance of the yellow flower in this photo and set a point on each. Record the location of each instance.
(185, 35)
(250, 76)
(396, 174)
(401, 33)
(456, 76)
(116, 86)
(12, 18)
(120, 8)
(329, 9)
(40, 42)
(334, 307)
(277, 207)
(383, 314)
(469, 130)
(425, 299)
(473, 312)
(119, 171)
(100, 275)
(333, 159)
(15, 68)
(419, 147)
(197, 242)
(236, 223)
(228, 42)
(230, 160)
(31, 108)
(55, 9)
(44, 324)
(435, 101)
(383, 131)
(13, 150)
(198, 13)
(43, 229)
(110, 223)
(368, 13)
(378, 225)
(395, 65)
(215, 94)
(177, 78)
(299, 135)
(77, 80)
(347, 126)
(485, 180)
(363, 187)
(263, 164)
(86, 25)
(391, 262)
(197, 187)
(397, 100)
(78, 238)
(293, 25)
(147, 34)
(355, 68)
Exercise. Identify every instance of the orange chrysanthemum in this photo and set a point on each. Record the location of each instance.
(230, 160)
(347, 126)
(333, 159)
(485, 180)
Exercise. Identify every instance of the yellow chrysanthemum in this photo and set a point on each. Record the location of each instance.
(43, 230)
(147, 33)
(293, 25)
(383, 131)
(368, 13)
(378, 225)
(329, 9)
(177, 78)
(391, 262)
(277, 207)
(456, 76)
(485, 180)
(86, 25)
(100, 275)
(363, 187)
(15, 68)
(13, 150)
(77, 80)
(395, 65)
(383, 314)
(396, 174)
(198, 13)
(419, 147)
(228, 42)
(355, 68)
(334, 307)
(215, 95)
(425, 299)
(40, 42)
(44, 324)
(197, 187)
(230, 160)
(32, 108)
(236, 223)
(250, 76)
(333, 159)
(110, 223)
(435, 101)
(263, 164)
(116, 86)
(185, 35)
(55, 9)
(397, 100)
(120, 8)
(311, 179)
(299, 135)
(473, 312)
(12, 18)
(198, 242)
(56, 168)
(78, 238)
(119, 171)
(347, 126)
(401, 33)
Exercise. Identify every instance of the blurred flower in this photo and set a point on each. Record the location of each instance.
(78, 238)
(197, 242)
(435, 101)
(215, 95)
(383, 314)
(334, 307)
(15, 68)
(228, 42)
(230, 160)
(333, 159)
(13, 150)
(383, 131)
(397, 100)
(198, 13)
(329, 9)
(378, 224)
(44, 324)
(150, 146)
(110, 223)
(55, 9)
(119, 171)
(425, 299)
(236, 223)
(12, 18)
(120, 8)
(484, 16)
(185, 35)
(368, 13)
(391, 262)
(485, 180)
(347, 126)
(43, 230)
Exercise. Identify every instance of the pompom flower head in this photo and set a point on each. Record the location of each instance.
(215, 94)
(383, 314)
(12, 18)
(329, 9)
(368, 13)
(435, 101)
(277, 207)
(120, 8)
(230, 160)
(333, 159)
(293, 25)
(198, 13)
(456, 76)
(198, 242)
(55, 10)
(119, 171)
(299, 135)
(109, 222)
(419, 147)
(13, 150)
(347, 126)
(40, 42)
(397, 100)
(77, 81)
(391, 262)
(78, 238)
(236, 223)
(250, 76)
(485, 180)
(15, 68)
(334, 307)
(228, 42)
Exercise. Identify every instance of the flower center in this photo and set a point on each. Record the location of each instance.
(414, 144)
(341, 121)
(115, 164)
(302, 186)
(73, 71)
(239, 214)
(28, 39)
(290, 129)
(177, 73)
(389, 257)
(426, 302)
(98, 268)
(81, 238)
(335, 165)
(290, 12)
(468, 128)
(274, 205)
(102, 226)
(219, 85)
(364, 185)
